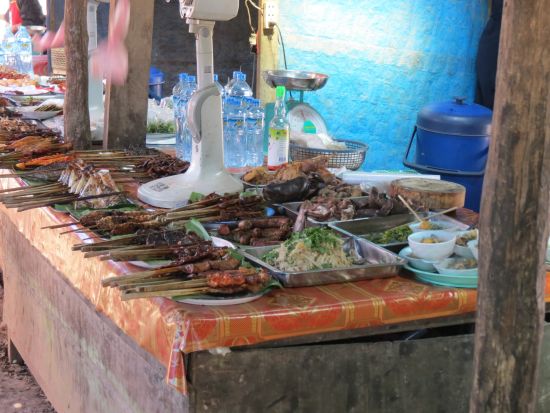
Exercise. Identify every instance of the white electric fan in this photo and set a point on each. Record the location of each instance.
(206, 173)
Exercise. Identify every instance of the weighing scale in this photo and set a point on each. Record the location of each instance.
(206, 173)
(299, 113)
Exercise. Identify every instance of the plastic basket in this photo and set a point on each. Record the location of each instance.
(59, 61)
(352, 158)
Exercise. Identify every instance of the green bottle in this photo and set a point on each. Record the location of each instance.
(279, 134)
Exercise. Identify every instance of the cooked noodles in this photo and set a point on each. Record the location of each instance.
(312, 249)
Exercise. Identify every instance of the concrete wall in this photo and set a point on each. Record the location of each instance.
(386, 59)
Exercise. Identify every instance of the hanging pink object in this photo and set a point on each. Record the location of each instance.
(110, 59)
(50, 40)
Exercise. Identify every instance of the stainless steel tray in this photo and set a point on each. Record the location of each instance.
(292, 208)
(379, 263)
(361, 227)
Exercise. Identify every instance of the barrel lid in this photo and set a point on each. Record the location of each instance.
(455, 118)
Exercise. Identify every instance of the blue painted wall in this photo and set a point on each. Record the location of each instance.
(386, 59)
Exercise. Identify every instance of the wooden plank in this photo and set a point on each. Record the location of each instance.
(82, 361)
(77, 118)
(429, 375)
(514, 217)
(126, 106)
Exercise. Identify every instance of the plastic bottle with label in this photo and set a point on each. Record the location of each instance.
(24, 47)
(279, 133)
(255, 118)
(179, 99)
(10, 48)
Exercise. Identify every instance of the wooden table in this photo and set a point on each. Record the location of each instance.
(91, 352)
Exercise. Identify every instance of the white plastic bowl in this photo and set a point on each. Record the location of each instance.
(463, 251)
(443, 226)
(473, 245)
(433, 252)
(443, 268)
(415, 262)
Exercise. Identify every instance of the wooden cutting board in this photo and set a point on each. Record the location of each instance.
(431, 193)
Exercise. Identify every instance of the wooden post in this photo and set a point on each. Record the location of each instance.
(514, 217)
(126, 106)
(77, 119)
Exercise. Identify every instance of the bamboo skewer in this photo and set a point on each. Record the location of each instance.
(173, 293)
(125, 279)
(410, 208)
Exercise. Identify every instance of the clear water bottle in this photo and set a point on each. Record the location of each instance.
(254, 126)
(180, 91)
(240, 88)
(219, 85)
(10, 48)
(177, 89)
(2, 54)
(234, 134)
(192, 83)
(230, 82)
(24, 46)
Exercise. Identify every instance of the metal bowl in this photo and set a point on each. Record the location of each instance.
(295, 80)
(36, 30)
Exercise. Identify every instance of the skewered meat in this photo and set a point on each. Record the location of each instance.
(163, 165)
(231, 282)
(45, 161)
(273, 222)
(212, 265)
(266, 229)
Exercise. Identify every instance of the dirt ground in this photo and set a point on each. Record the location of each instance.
(18, 389)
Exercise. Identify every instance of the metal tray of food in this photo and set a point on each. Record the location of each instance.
(292, 209)
(363, 227)
(378, 263)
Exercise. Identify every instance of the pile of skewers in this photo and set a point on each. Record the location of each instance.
(258, 232)
(197, 268)
(213, 208)
(82, 184)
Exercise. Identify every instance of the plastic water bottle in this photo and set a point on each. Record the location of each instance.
(219, 85)
(230, 82)
(192, 85)
(179, 91)
(24, 45)
(10, 48)
(239, 88)
(254, 126)
(234, 134)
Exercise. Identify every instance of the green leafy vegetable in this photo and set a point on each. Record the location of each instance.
(195, 197)
(196, 227)
(159, 126)
(391, 236)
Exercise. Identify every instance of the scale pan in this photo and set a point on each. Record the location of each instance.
(295, 80)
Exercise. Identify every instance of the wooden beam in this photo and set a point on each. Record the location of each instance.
(514, 217)
(77, 118)
(126, 106)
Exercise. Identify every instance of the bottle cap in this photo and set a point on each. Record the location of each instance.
(192, 78)
(280, 92)
(241, 76)
(183, 77)
(216, 78)
(236, 74)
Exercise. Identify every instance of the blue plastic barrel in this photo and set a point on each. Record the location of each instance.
(452, 140)
(156, 81)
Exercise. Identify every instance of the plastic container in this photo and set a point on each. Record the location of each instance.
(254, 124)
(24, 46)
(239, 88)
(10, 48)
(156, 81)
(180, 99)
(452, 140)
(234, 134)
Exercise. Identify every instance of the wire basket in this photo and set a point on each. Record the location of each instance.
(352, 158)
(59, 61)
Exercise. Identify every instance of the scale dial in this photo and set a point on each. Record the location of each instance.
(300, 112)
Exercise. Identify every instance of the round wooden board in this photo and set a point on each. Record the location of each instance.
(431, 193)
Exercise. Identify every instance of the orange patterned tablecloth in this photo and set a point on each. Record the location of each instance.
(168, 329)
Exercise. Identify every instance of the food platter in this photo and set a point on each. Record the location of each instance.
(379, 263)
(444, 280)
(221, 301)
(362, 227)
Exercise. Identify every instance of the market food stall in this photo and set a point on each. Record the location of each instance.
(279, 289)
